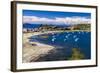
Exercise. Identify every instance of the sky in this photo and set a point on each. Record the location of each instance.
(55, 17)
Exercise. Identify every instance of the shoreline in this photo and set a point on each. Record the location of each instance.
(48, 32)
(33, 50)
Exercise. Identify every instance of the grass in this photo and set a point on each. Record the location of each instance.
(76, 54)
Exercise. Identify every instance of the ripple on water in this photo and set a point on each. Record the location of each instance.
(76, 39)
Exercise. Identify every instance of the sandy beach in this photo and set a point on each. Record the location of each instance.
(33, 50)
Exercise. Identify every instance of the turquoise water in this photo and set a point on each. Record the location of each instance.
(64, 42)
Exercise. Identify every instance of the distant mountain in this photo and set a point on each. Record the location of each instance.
(28, 25)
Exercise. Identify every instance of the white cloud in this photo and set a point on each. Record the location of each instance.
(30, 19)
(67, 20)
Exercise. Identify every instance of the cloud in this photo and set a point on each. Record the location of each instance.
(57, 20)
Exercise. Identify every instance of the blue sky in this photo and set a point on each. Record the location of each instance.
(52, 14)
(33, 16)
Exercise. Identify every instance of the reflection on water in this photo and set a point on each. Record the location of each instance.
(68, 45)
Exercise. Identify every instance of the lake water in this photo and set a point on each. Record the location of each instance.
(64, 42)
